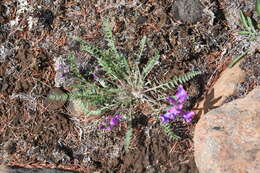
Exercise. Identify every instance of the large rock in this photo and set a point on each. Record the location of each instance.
(227, 139)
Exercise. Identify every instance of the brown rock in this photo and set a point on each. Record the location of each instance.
(75, 106)
(54, 104)
(227, 139)
(188, 11)
(223, 88)
(78, 108)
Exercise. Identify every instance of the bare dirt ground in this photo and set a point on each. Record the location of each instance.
(37, 132)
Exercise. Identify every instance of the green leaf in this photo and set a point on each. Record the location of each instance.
(168, 131)
(150, 65)
(237, 59)
(250, 24)
(128, 138)
(244, 21)
(244, 33)
(175, 81)
(109, 38)
(97, 112)
(142, 44)
(57, 96)
(119, 63)
(257, 7)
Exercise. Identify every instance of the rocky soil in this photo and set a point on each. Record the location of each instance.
(190, 35)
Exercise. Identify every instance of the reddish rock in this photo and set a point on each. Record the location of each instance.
(227, 139)
(224, 87)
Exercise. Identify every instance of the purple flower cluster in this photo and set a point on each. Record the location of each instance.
(111, 122)
(177, 102)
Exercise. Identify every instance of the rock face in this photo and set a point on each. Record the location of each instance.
(227, 139)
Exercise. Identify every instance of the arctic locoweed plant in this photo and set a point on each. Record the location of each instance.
(121, 85)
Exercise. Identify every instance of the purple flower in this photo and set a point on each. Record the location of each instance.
(114, 121)
(61, 75)
(187, 116)
(181, 94)
(66, 69)
(177, 102)
(111, 122)
(169, 115)
(177, 109)
(102, 127)
(95, 75)
(63, 67)
(172, 100)
(164, 118)
(179, 98)
(62, 70)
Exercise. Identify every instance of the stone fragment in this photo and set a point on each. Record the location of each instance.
(227, 139)
(188, 11)
(54, 104)
(223, 88)
(75, 106)
(80, 109)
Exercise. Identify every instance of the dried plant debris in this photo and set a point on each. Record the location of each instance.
(45, 17)
(36, 36)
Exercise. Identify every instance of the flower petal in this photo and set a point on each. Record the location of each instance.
(187, 116)
(176, 109)
(164, 119)
(181, 94)
(170, 115)
(110, 122)
(114, 121)
(102, 127)
(172, 100)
